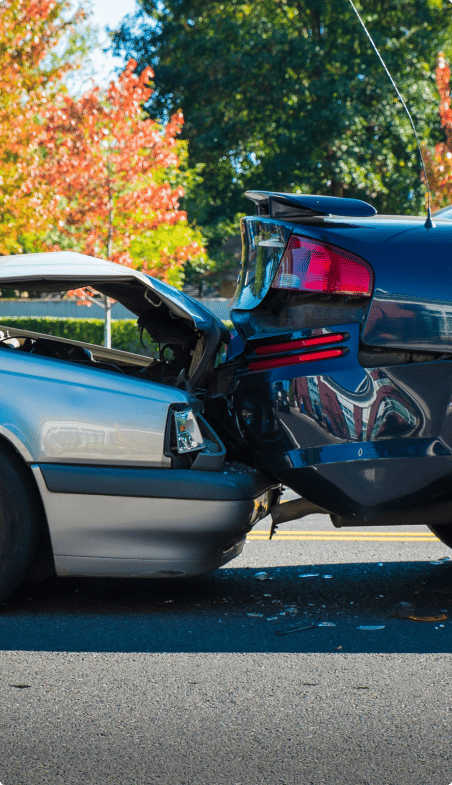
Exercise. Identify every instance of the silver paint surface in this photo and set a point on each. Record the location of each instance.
(63, 412)
(136, 536)
(99, 567)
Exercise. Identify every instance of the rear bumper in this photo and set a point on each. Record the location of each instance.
(367, 488)
(358, 442)
(137, 522)
(235, 482)
(92, 567)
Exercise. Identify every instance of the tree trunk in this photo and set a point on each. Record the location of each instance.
(337, 189)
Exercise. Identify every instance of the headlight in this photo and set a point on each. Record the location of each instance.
(188, 434)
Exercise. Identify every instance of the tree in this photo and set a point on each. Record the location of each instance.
(116, 173)
(289, 95)
(31, 72)
(117, 179)
(439, 160)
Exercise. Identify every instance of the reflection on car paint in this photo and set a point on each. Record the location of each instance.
(76, 439)
(263, 246)
(396, 320)
(377, 409)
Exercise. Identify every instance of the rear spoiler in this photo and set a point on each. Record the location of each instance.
(287, 206)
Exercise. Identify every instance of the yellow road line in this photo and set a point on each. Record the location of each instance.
(353, 536)
(352, 533)
(341, 539)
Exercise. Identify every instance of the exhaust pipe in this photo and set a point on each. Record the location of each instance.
(290, 511)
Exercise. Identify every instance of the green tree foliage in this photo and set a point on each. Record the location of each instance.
(289, 95)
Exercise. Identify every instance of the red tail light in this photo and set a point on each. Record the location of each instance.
(279, 362)
(311, 265)
(290, 346)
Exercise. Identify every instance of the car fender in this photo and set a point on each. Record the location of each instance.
(17, 440)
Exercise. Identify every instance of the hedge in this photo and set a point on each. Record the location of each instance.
(124, 333)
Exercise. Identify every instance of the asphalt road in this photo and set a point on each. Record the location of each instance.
(233, 680)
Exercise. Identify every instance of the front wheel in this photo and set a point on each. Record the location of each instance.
(443, 532)
(20, 521)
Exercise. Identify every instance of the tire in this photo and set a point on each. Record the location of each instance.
(20, 521)
(443, 532)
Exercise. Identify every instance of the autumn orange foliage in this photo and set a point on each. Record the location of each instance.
(29, 30)
(439, 161)
(92, 174)
(111, 168)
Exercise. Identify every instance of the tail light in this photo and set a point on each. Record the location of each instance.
(316, 347)
(311, 265)
(302, 343)
(306, 357)
(187, 431)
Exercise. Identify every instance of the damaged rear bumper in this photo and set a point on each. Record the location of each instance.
(140, 522)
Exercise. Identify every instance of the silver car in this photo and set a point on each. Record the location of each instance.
(107, 465)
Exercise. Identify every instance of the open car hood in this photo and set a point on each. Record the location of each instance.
(170, 316)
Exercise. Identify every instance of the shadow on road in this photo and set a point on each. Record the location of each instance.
(231, 610)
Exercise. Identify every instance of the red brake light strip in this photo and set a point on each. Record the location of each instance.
(279, 362)
(289, 346)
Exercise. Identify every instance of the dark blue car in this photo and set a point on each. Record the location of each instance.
(348, 315)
